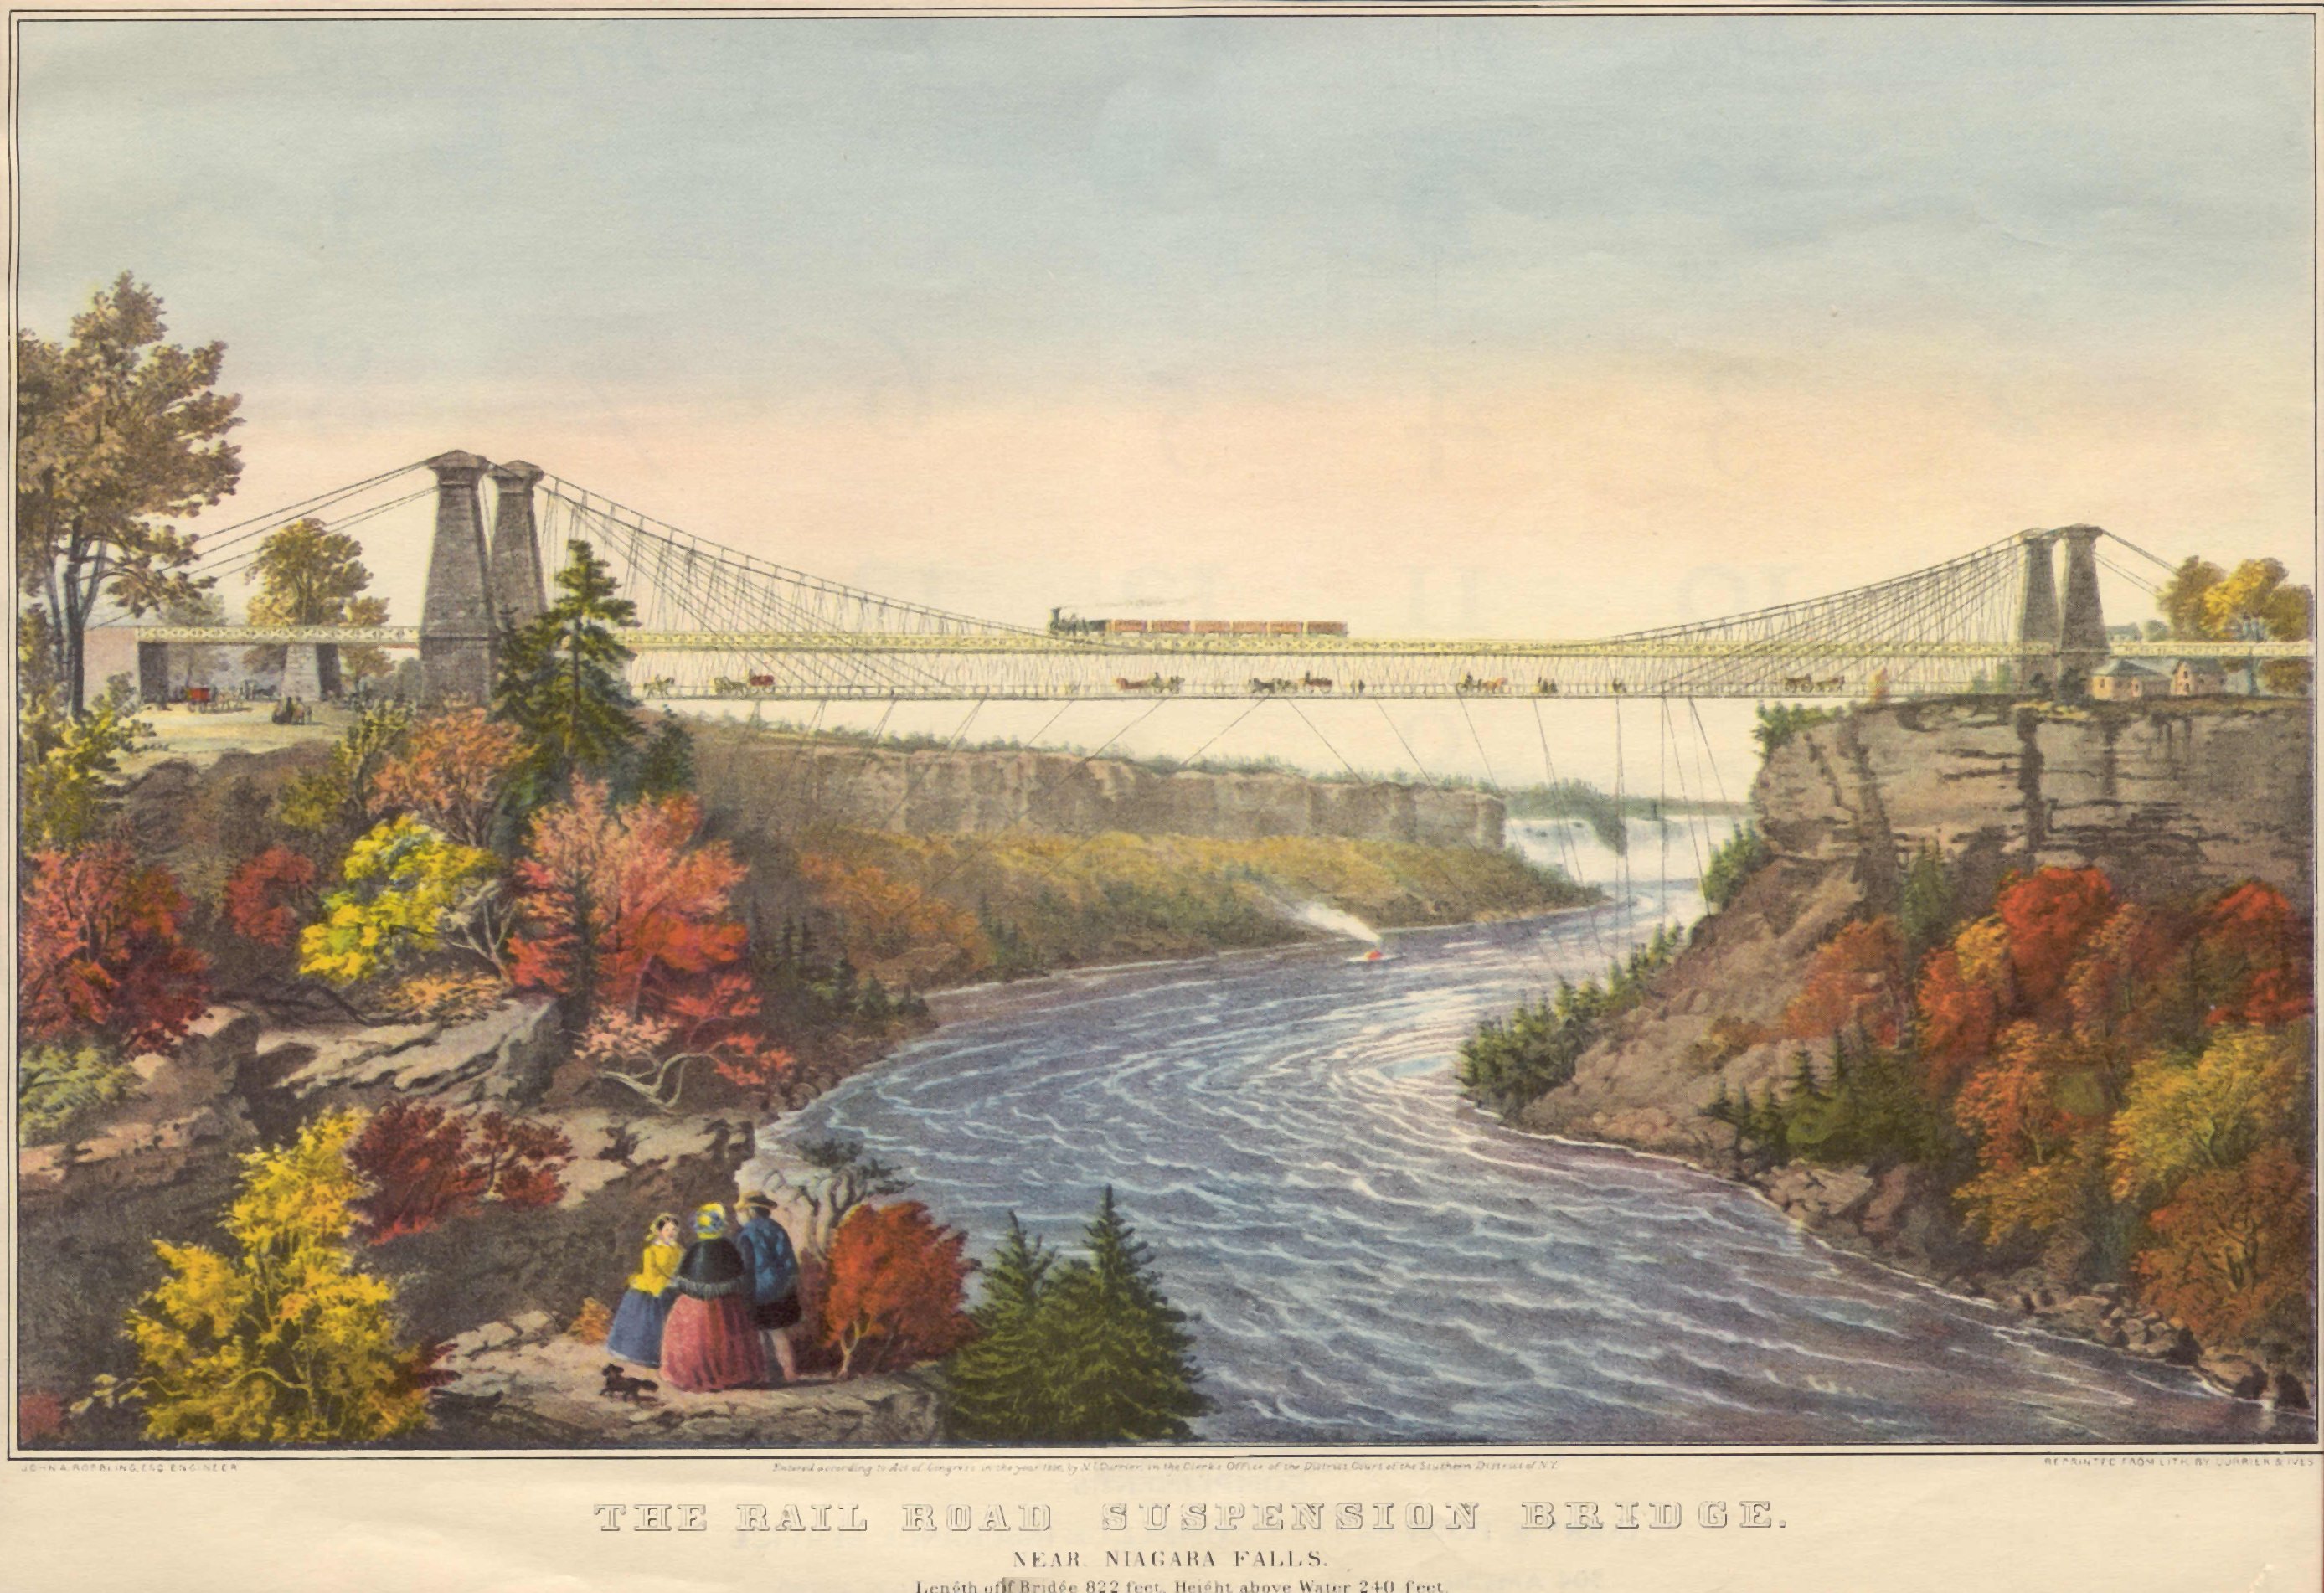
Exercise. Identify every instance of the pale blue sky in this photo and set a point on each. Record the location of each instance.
(1013, 205)
(1447, 325)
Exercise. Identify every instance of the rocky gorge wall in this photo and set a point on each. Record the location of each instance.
(2169, 797)
(775, 782)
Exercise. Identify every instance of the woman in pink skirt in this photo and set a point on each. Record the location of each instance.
(710, 1341)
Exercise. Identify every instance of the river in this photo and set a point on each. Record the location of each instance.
(1367, 1259)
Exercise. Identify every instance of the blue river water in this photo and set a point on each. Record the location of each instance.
(1367, 1259)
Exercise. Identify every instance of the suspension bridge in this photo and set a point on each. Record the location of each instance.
(714, 621)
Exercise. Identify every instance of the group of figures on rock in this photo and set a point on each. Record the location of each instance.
(715, 1313)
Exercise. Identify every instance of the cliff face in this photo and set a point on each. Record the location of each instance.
(2169, 799)
(775, 782)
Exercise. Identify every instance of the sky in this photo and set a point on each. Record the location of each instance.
(1532, 326)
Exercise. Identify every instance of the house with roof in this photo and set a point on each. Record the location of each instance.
(2199, 678)
(2123, 681)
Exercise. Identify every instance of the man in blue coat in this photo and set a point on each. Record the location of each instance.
(774, 1279)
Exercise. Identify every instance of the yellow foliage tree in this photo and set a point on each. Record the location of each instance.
(285, 1343)
(2182, 1119)
(405, 882)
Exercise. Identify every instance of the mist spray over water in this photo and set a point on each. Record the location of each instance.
(1330, 919)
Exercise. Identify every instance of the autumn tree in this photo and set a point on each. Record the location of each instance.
(452, 768)
(1856, 983)
(2185, 1117)
(271, 896)
(117, 434)
(425, 1163)
(284, 1341)
(560, 678)
(100, 952)
(2203, 602)
(895, 1287)
(2182, 599)
(619, 907)
(2236, 1247)
(408, 889)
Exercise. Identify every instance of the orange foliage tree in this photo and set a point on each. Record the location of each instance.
(2236, 1247)
(881, 915)
(99, 951)
(451, 769)
(2254, 962)
(1856, 982)
(894, 1288)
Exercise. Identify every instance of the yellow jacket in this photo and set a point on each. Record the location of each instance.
(656, 1268)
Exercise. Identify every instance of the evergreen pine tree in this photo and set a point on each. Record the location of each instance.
(1124, 1367)
(1925, 908)
(667, 766)
(560, 678)
(996, 1387)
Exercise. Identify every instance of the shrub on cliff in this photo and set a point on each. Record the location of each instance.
(1507, 1063)
(408, 890)
(1737, 859)
(59, 1087)
(1778, 722)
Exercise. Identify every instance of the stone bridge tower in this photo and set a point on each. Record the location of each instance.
(2037, 613)
(516, 589)
(2072, 635)
(476, 592)
(2081, 627)
(457, 627)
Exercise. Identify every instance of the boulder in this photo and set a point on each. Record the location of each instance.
(2233, 1375)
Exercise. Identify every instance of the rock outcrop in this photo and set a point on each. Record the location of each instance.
(762, 779)
(2169, 797)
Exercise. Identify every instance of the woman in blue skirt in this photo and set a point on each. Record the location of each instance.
(636, 1333)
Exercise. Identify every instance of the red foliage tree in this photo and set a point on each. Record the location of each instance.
(2254, 957)
(896, 1279)
(99, 951)
(269, 897)
(2048, 915)
(1857, 981)
(424, 1166)
(619, 907)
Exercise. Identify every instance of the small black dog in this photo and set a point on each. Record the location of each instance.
(620, 1384)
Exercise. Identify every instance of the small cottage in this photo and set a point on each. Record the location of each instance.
(2123, 681)
(2198, 678)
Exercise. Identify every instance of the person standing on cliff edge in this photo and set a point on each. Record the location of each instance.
(767, 1250)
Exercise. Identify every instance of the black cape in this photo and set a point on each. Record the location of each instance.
(712, 1270)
